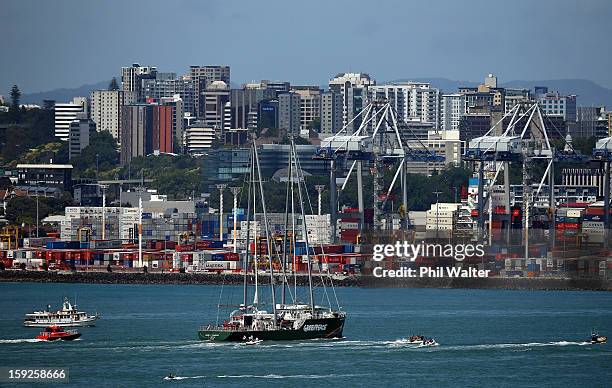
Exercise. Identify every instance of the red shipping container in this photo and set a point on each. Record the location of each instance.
(184, 247)
(231, 256)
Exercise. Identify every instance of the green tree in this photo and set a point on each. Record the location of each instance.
(101, 153)
(22, 210)
(15, 97)
(34, 127)
(113, 85)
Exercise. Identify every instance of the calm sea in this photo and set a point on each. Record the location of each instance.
(487, 338)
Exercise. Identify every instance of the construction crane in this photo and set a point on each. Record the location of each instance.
(378, 142)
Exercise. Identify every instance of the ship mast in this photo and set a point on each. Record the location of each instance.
(304, 226)
(284, 260)
(266, 227)
(246, 257)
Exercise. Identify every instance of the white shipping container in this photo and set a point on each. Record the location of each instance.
(439, 227)
(592, 225)
(445, 206)
(220, 265)
(440, 221)
(574, 212)
(440, 213)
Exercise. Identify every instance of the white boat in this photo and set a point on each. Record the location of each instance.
(252, 341)
(68, 316)
(430, 342)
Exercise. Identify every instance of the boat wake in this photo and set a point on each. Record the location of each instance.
(19, 341)
(184, 377)
(518, 346)
(276, 376)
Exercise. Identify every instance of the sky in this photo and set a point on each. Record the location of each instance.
(68, 43)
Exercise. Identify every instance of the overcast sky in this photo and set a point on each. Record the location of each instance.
(67, 43)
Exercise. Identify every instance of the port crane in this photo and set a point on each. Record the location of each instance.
(378, 142)
(603, 153)
(525, 140)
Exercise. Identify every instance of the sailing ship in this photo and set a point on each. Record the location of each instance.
(287, 320)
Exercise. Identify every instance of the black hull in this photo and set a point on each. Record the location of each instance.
(311, 329)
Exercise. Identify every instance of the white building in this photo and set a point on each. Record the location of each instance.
(106, 109)
(65, 113)
(558, 105)
(198, 138)
(353, 89)
(452, 110)
(443, 143)
(411, 100)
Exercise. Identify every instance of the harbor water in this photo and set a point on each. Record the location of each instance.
(486, 337)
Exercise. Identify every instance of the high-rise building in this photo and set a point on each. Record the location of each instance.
(65, 113)
(411, 100)
(244, 104)
(289, 112)
(267, 116)
(168, 85)
(353, 87)
(202, 76)
(132, 77)
(177, 120)
(331, 113)
(310, 106)
(453, 109)
(80, 130)
(137, 131)
(106, 109)
(162, 139)
(213, 103)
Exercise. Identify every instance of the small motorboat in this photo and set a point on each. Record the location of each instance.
(430, 342)
(54, 333)
(171, 376)
(252, 341)
(416, 339)
(598, 339)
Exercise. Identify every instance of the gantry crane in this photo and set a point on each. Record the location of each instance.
(377, 142)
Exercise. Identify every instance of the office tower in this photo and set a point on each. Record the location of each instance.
(331, 113)
(177, 120)
(214, 99)
(137, 131)
(80, 130)
(168, 85)
(353, 87)
(289, 112)
(132, 77)
(202, 76)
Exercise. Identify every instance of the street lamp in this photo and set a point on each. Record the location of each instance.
(437, 193)
(235, 192)
(319, 189)
(221, 188)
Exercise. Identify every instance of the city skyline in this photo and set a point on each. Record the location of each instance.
(556, 37)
